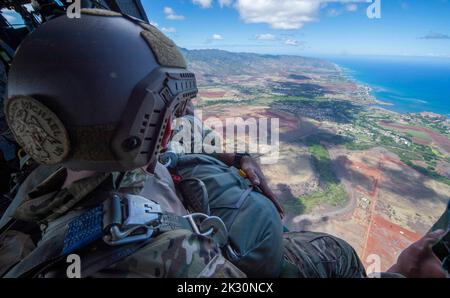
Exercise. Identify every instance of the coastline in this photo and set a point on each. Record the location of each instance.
(348, 73)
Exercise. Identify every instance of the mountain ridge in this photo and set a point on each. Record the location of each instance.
(217, 62)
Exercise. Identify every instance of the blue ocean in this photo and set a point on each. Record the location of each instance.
(411, 84)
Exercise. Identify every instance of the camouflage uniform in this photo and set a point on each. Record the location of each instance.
(318, 255)
(175, 254)
(178, 253)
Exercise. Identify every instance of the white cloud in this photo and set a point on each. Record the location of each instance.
(172, 15)
(168, 30)
(175, 17)
(154, 24)
(267, 36)
(169, 10)
(217, 37)
(286, 14)
(203, 3)
(291, 42)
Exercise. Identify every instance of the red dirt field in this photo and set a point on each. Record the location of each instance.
(420, 163)
(440, 140)
(372, 174)
(286, 120)
(443, 169)
(381, 236)
(421, 141)
(385, 238)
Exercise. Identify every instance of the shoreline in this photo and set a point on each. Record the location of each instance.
(378, 103)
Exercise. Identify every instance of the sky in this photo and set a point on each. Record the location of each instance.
(307, 27)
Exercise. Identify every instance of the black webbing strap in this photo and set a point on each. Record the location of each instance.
(104, 256)
(81, 233)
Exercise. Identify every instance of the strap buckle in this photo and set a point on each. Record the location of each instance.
(129, 219)
(132, 218)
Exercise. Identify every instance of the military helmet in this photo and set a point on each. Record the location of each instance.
(97, 92)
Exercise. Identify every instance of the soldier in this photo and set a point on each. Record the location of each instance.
(91, 99)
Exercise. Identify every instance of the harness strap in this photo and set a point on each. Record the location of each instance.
(244, 195)
(92, 228)
(171, 222)
(103, 258)
(95, 259)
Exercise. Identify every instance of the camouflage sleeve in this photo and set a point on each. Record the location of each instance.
(317, 255)
(175, 254)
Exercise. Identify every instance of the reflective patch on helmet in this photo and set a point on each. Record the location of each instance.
(100, 12)
(37, 130)
(164, 49)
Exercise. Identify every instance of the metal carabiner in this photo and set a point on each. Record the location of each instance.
(192, 217)
(210, 226)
